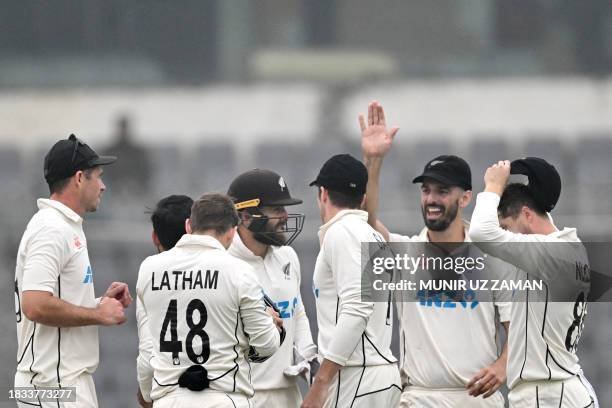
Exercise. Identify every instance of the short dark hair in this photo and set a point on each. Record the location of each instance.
(169, 217)
(343, 200)
(58, 186)
(214, 211)
(515, 196)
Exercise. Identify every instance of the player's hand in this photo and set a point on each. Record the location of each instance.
(315, 397)
(497, 176)
(110, 312)
(376, 138)
(488, 380)
(121, 292)
(142, 402)
(276, 317)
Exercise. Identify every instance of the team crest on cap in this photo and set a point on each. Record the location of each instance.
(281, 183)
(433, 163)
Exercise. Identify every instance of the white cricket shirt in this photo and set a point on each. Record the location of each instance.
(543, 334)
(444, 344)
(278, 272)
(203, 307)
(53, 257)
(351, 332)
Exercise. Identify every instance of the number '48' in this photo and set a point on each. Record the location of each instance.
(174, 345)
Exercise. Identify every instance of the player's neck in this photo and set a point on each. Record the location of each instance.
(256, 247)
(543, 227)
(454, 233)
(71, 201)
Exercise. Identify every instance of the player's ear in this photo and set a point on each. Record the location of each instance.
(188, 226)
(527, 213)
(155, 239)
(245, 218)
(466, 198)
(362, 206)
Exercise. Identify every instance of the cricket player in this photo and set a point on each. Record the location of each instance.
(205, 312)
(434, 373)
(168, 219)
(513, 223)
(260, 197)
(357, 366)
(57, 312)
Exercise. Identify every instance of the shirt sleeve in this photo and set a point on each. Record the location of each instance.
(303, 335)
(264, 337)
(145, 345)
(343, 250)
(46, 255)
(145, 350)
(541, 256)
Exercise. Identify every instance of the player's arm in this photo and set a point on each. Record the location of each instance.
(303, 336)
(318, 390)
(47, 253)
(376, 140)
(44, 308)
(490, 379)
(145, 350)
(533, 252)
(344, 251)
(264, 336)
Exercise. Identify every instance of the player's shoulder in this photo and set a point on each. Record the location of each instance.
(285, 252)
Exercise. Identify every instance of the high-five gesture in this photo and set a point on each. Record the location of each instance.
(376, 138)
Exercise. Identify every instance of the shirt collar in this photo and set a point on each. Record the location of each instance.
(200, 240)
(240, 250)
(466, 227)
(362, 215)
(60, 207)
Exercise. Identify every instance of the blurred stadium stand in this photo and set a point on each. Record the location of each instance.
(237, 84)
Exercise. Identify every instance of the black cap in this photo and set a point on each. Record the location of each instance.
(448, 169)
(544, 180)
(68, 156)
(343, 173)
(258, 188)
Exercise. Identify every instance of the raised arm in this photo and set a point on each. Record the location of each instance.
(376, 141)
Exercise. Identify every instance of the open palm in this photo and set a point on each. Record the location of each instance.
(376, 138)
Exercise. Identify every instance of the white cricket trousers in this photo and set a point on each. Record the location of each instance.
(365, 387)
(417, 397)
(184, 398)
(85, 393)
(282, 397)
(573, 392)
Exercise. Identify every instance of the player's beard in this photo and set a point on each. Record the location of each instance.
(444, 221)
(270, 236)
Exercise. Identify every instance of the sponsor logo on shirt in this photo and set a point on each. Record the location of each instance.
(287, 308)
(448, 299)
(88, 275)
(77, 242)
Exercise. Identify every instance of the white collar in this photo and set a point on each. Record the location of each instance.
(363, 215)
(466, 227)
(60, 207)
(200, 240)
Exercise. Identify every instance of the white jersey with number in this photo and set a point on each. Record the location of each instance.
(204, 307)
(352, 332)
(278, 272)
(431, 330)
(53, 257)
(544, 334)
